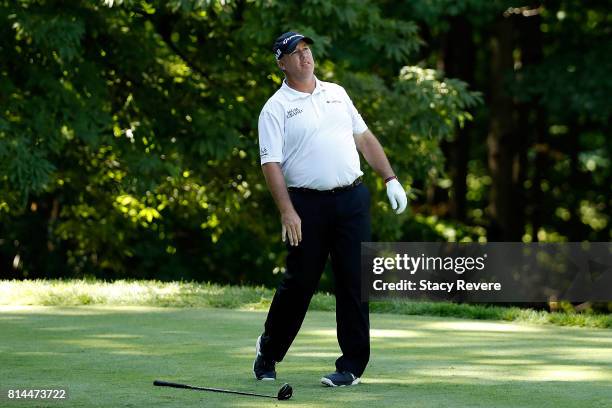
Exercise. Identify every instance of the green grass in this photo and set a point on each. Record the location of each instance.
(190, 294)
(108, 356)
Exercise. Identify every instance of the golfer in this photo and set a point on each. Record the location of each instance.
(309, 137)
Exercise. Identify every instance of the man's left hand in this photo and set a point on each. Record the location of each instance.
(397, 196)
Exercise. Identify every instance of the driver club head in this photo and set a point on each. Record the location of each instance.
(285, 392)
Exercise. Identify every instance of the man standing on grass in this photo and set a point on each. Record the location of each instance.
(309, 136)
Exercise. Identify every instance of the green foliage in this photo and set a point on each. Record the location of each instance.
(433, 229)
(411, 117)
(128, 134)
(129, 128)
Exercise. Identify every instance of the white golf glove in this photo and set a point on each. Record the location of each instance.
(397, 196)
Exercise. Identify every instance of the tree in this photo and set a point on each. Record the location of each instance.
(128, 144)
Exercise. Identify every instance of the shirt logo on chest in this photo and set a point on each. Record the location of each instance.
(292, 112)
(334, 101)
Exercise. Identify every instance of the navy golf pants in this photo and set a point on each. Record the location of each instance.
(333, 226)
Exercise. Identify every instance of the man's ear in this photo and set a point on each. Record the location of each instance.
(280, 65)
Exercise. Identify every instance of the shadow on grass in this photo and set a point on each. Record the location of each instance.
(109, 356)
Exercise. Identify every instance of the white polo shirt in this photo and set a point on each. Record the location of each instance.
(312, 136)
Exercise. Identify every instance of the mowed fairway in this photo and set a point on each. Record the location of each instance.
(109, 357)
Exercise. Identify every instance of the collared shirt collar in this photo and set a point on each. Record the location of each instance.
(293, 94)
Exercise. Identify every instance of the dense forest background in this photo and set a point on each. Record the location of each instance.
(128, 129)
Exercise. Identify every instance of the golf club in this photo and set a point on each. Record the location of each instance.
(284, 393)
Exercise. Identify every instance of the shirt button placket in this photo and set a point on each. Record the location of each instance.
(316, 110)
(315, 107)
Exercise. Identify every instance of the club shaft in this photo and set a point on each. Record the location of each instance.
(160, 383)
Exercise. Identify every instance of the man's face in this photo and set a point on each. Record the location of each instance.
(299, 63)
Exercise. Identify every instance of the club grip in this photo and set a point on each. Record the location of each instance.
(161, 383)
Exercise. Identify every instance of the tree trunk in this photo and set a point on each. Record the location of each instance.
(502, 142)
(531, 120)
(459, 62)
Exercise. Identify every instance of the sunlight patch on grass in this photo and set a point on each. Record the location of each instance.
(563, 373)
(505, 361)
(99, 344)
(585, 353)
(36, 353)
(115, 336)
(314, 354)
(392, 381)
(510, 352)
(484, 326)
(131, 353)
(323, 333)
(405, 334)
(92, 310)
(60, 329)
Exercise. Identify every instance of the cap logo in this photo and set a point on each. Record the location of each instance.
(286, 40)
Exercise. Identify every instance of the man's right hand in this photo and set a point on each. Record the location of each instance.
(290, 220)
(292, 227)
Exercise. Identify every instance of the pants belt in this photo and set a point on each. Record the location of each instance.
(332, 191)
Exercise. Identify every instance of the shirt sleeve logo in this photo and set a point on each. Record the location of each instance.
(263, 152)
(292, 112)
